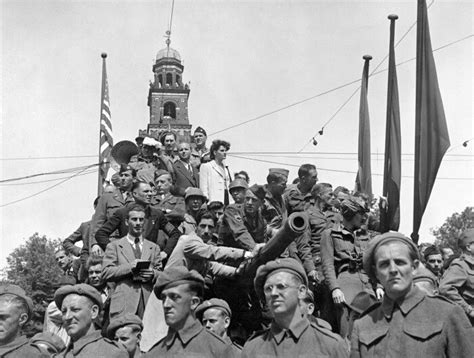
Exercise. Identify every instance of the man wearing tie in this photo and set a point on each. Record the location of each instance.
(186, 174)
(133, 264)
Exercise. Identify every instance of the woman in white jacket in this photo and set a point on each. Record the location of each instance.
(214, 176)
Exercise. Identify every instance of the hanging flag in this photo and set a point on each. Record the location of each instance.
(364, 174)
(431, 131)
(390, 217)
(106, 141)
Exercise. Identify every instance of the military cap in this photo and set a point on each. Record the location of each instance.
(121, 321)
(193, 192)
(81, 289)
(175, 276)
(256, 191)
(354, 204)
(125, 168)
(151, 142)
(160, 172)
(10, 289)
(423, 274)
(50, 339)
(467, 237)
(431, 250)
(280, 171)
(200, 130)
(213, 303)
(286, 264)
(369, 254)
(238, 183)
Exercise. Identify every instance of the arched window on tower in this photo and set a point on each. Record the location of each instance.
(169, 110)
(178, 80)
(169, 79)
(160, 80)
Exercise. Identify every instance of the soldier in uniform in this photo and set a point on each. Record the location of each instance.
(407, 323)
(341, 254)
(458, 281)
(433, 260)
(80, 306)
(126, 330)
(199, 151)
(109, 203)
(243, 226)
(298, 196)
(193, 200)
(215, 315)
(282, 283)
(237, 189)
(180, 290)
(16, 309)
(164, 199)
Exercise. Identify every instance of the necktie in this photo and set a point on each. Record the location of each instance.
(137, 251)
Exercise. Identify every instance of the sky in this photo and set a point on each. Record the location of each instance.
(243, 59)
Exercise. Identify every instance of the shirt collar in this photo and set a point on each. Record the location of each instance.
(131, 239)
(406, 304)
(185, 334)
(76, 347)
(296, 329)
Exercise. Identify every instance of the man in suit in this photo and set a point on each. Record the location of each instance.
(155, 221)
(186, 174)
(109, 203)
(121, 265)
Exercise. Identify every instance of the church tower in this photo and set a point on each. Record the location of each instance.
(168, 95)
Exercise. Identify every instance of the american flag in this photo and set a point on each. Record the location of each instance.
(106, 137)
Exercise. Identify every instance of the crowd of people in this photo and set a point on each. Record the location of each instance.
(182, 258)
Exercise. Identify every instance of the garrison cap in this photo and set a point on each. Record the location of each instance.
(354, 204)
(283, 172)
(10, 289)
(193, 192)
(81, 289)
(175, 276)
(431, 250)
(200, 130)
(467, 237)
(257, 191)
(213, 303)
(161, 172)
(151, 142)
(423, 274)
(238, 183)
(126, 168)
(286, 264)
(50, 339)
(369, 254)
(126, 319)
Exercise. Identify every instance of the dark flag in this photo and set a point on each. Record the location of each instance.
(106, 141)
(364, 173)
(431, 131)
(390, 217)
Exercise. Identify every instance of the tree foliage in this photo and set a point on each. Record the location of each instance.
(32, 266)
(448, 234)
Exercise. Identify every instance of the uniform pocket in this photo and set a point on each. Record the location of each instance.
(369, 337)
(423, 331)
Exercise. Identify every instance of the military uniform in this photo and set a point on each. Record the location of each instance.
(457, 283)
(21, 347)
(418, 326)
(296, 200)
(168, 203)
(93, 345)
(241, 231)
(302, 339)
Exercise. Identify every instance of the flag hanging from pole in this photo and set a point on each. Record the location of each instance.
(390, 216)
(106, 141)
(431, 131)
(364, 174)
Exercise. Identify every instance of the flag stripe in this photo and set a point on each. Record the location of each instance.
(106, 135)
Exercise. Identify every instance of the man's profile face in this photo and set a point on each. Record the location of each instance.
(129, 338)
(94, 274)
(64, 261)
(251, 205)
(199, 139)
(279, 186)
(178, 303)
(238, 194)
(216, 321)
(78, 315)
(126, 179)
(310, 179)
(327, 197)
(282, 293)
(163, 184)
(434, 263)
(184, 152)
(205, 229)
(135, 222)
(11, 320)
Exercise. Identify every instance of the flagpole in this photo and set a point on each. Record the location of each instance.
(100, 187)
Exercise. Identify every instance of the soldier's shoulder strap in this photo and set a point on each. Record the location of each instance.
(258, 333)
(323, 329)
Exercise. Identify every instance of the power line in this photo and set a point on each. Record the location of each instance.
(333, 170)
(333, 153)
(51, 157)
(48, 180)
(48, 188)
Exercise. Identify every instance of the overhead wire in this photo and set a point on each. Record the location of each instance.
(47, 180)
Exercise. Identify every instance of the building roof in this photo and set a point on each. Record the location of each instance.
(168, 52)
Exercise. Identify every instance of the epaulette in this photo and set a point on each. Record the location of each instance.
(371, 308)
(325, 331)
(440, 297)
(322, 323)
(215, 336)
